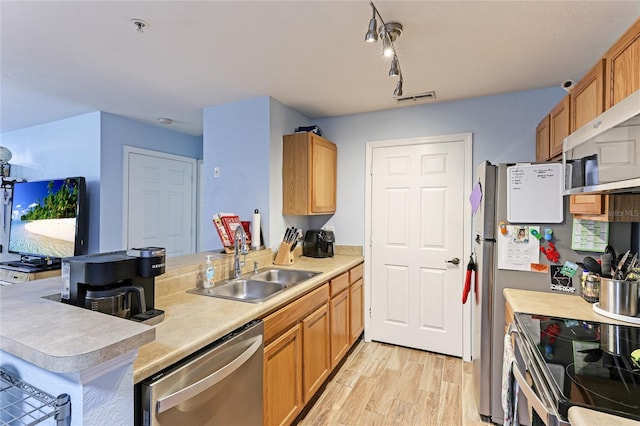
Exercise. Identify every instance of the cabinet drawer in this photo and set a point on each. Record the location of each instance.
(294, 312)
(339, 283)
(356, 273)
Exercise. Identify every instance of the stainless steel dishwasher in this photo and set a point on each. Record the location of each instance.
(221, 384)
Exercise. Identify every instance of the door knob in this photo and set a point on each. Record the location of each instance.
(455, 261)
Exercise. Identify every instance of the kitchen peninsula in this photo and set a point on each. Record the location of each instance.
(53, 344)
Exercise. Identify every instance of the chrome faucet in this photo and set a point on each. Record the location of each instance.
(241, 248)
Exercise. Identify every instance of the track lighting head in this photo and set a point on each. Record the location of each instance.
(372, 34)
(398, 91)
(394, 71)
(387, 46)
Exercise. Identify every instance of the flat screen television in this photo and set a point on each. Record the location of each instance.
(48, 219)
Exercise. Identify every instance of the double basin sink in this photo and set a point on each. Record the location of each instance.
(257, 287)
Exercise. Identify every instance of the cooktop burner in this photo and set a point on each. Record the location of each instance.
(589, 362)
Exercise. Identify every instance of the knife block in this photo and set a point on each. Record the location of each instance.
(284, 255)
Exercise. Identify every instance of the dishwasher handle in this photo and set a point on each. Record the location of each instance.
(190, 391)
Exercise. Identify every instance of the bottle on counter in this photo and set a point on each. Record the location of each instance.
(209, 274)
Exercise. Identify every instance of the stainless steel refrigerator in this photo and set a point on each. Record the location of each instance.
(488, 323)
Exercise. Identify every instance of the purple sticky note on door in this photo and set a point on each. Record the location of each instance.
(476, 197)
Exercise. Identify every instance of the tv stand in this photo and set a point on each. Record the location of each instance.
(10, 274)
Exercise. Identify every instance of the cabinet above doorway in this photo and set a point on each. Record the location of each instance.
(309, 175)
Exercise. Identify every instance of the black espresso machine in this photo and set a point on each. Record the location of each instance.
(120, 283)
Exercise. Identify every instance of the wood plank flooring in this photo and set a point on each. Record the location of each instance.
(386, 385)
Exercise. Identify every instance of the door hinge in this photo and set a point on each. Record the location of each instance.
(369, 311)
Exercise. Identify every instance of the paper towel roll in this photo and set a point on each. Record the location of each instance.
(255, 230)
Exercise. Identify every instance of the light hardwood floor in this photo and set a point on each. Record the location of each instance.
(382, 384)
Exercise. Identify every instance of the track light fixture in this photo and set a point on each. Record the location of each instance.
(388, 32)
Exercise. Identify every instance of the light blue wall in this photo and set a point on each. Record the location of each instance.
(91, 145)
(63, 148)
(115, 133)
(245, 140)
(284, 121)
(503, 129)
(236, 139)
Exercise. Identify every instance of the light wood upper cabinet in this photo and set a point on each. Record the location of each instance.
(309, 175)
(587, 97)
(606, 207)
(543, 138)
(559, 120)
(623, 66)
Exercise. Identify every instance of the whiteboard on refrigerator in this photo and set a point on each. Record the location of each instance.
(534, 193)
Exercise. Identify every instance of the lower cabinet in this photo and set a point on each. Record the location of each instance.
(282, 387)
(356, 310)
(305, 340)
(339, 314)
(356, 303)
(316, 356)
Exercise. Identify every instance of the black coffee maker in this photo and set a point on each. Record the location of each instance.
(120, 283)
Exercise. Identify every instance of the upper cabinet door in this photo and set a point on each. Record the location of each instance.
(543, 138)
(309, 175)
(623, 66)
(324, 161)
(559, 125)
(587, 97)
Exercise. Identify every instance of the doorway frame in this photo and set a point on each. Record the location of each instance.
(467, 138)
(127, 149)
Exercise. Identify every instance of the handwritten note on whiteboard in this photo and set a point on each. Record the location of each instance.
(534, 193)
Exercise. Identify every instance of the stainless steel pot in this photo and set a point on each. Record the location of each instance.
(619, 296)
(619, 340)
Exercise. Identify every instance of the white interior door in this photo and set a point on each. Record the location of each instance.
(160, 201)
(418, 225)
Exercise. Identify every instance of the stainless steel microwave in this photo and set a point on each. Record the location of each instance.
(604, 154)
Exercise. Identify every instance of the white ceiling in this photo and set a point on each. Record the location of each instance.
(60, 59)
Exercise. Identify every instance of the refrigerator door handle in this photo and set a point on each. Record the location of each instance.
(479, 239)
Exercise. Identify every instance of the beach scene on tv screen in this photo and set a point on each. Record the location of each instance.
(43, 218)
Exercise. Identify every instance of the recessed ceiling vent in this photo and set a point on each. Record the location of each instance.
(418, 96)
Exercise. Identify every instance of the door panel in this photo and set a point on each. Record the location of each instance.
(417, 196)
(160, 203)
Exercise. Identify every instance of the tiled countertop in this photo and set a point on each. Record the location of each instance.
(566, 306)
(64, 338)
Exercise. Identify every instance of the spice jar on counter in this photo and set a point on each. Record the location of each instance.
(591, 288)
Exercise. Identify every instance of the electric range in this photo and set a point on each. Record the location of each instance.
(581, 363)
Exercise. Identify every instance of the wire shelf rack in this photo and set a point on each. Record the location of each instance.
(23, 405)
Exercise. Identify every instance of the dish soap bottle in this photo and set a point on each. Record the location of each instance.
(209, 274)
